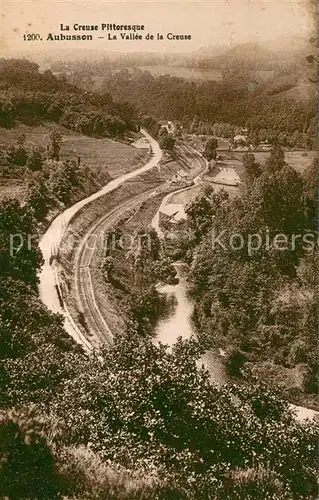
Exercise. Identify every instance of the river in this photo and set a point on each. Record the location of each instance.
(176, 321)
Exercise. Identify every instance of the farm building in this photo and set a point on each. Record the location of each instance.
(179, 176)
(173, 213)
(141, 143)
(240, 139)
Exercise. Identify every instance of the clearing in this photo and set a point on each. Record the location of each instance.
(299, 160)
(198, 73)
(101, 155)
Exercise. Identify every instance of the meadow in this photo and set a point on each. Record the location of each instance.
(115, 156)
(103, 155)
(197, 73)
(299, 160)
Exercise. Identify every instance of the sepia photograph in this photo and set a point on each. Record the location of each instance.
(159, 250)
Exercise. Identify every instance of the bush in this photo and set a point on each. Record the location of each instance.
(27, 467)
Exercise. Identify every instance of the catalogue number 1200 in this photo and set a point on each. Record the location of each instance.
(31, 37)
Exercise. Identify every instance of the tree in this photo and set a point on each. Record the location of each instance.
(108, 267)
(281, 198)
(27, 463)
(20, 256)
(34, 161)
(311, 194)
(63, 179)
(17, 155)
(201, 210)
(166, 141)
(149, 266)
(38, 198)
(36, 354)
(252, 168)
(55, 145)
(155, 407)
(210, 149)
(164, 273)
(21, 139)
(276, 160)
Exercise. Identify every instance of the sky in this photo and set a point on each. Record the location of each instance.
(208, 22)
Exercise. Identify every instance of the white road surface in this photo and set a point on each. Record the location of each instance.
(51, 241)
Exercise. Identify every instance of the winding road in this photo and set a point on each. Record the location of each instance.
(84, 286)
(49, 286)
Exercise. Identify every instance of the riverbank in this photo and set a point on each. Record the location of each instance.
(113, 296)
(55, 283)
(177, 321)
(49, 286)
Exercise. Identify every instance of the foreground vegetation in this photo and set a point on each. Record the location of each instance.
(139, 411)
(260, 301)
(140, 421)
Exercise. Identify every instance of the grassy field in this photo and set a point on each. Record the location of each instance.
(197, 73)
(187, 73)
(296, 159)
(185, 196)
(101, 155)
(108, 154)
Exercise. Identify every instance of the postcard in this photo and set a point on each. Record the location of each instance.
(158, 249)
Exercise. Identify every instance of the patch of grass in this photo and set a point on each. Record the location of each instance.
(187, 73)
(106, 154)
(296, 159)
(299, 161)
(185, 196)
(91, 478)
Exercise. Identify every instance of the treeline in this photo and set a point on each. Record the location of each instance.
(282, 57)
(255, 135)
(237, 100)
(30, 96)
(254, 277)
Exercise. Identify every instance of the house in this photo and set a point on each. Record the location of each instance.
(163, 123)
(264, 146)
(172, 213)
(240, 139)
(141, 143)
(170, 126)
(179, 176)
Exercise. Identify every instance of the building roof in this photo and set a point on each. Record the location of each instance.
(141, 143)
(182, 173)
(239, 138)
(175, 211)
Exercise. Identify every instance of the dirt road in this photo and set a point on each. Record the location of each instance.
(49, 290)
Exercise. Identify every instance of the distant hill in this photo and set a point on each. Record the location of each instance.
(28, 95)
